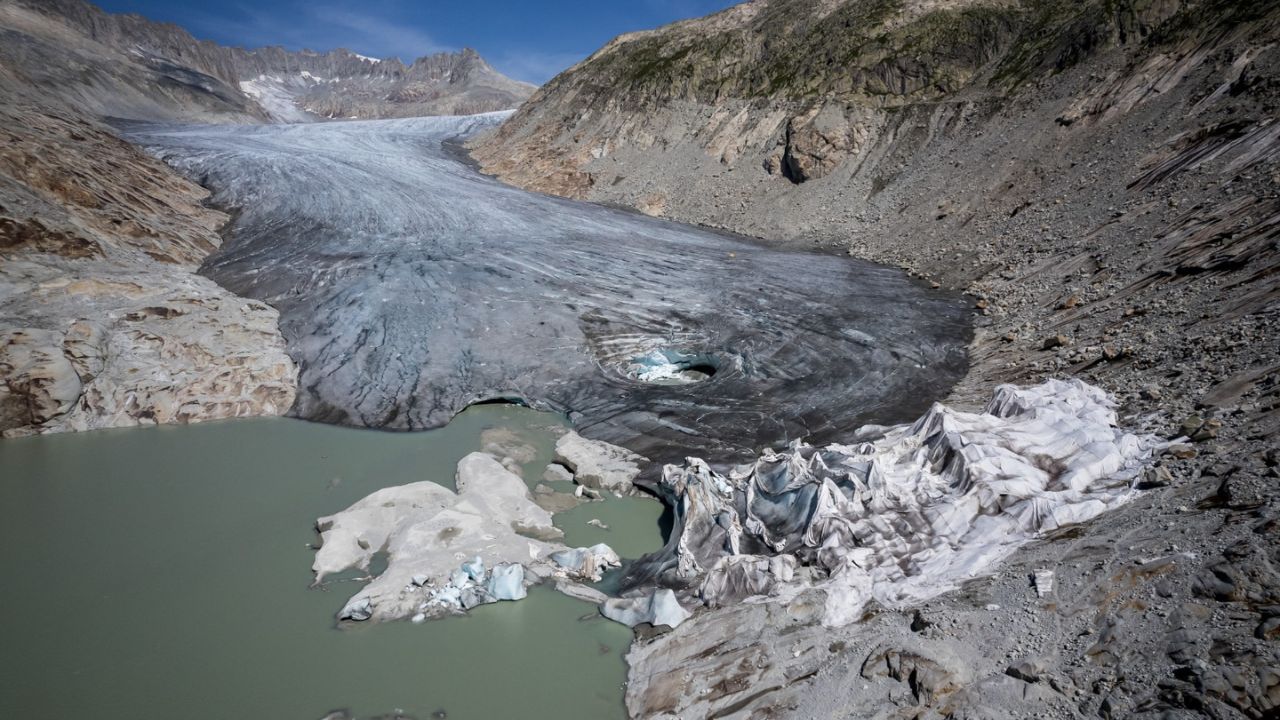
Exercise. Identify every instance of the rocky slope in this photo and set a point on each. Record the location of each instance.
(103, 321)
(129, 67)
(1104, 179)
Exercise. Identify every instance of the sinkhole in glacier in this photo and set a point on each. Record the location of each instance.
(667, 366)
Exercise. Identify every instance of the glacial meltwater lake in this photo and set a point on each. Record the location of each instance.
(164, 572)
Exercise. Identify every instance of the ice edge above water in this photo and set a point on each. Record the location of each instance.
(897, 515)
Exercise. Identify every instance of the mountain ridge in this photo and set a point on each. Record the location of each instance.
(207, 81)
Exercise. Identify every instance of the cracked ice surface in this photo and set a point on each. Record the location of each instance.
(900, 514)
(410, 286)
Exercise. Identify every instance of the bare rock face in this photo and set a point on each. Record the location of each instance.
(42, 384)
(141, 345)
(815, 80)
(818, 141)
(103, 321)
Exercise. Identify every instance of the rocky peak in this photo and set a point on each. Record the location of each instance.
(263, 82)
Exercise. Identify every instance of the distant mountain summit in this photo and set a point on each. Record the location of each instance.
(295, 87)
(127, 66)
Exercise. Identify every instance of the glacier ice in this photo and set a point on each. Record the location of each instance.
(587, 563)
(656, 607)
(900, 514)
(446, 551)
(411, 286)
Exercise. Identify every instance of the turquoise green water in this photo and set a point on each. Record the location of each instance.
(164, 572)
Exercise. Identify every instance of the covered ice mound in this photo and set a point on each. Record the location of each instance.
(900, 514)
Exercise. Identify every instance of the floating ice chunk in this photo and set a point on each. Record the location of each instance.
(507, 582)
(460, 578)
(358, 610)
(598, 465)
(658, 607)
(588, 563)
(449, 596)
(426, 529)
(475, 596)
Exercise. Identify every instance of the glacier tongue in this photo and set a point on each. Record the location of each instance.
(410, 286)
(903, 513)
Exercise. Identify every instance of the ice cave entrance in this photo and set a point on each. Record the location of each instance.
(666, 366)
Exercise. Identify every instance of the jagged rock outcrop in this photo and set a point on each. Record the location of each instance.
(125, 66)
(103, 321)
(794, 86)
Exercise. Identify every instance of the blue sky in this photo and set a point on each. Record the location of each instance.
(529, 40)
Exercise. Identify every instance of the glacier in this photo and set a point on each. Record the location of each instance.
(411, 286)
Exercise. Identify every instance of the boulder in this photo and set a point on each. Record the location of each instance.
(555, 472)
(817, 142)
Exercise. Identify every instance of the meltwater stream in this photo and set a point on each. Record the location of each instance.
(410, 286)
(163, 573)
